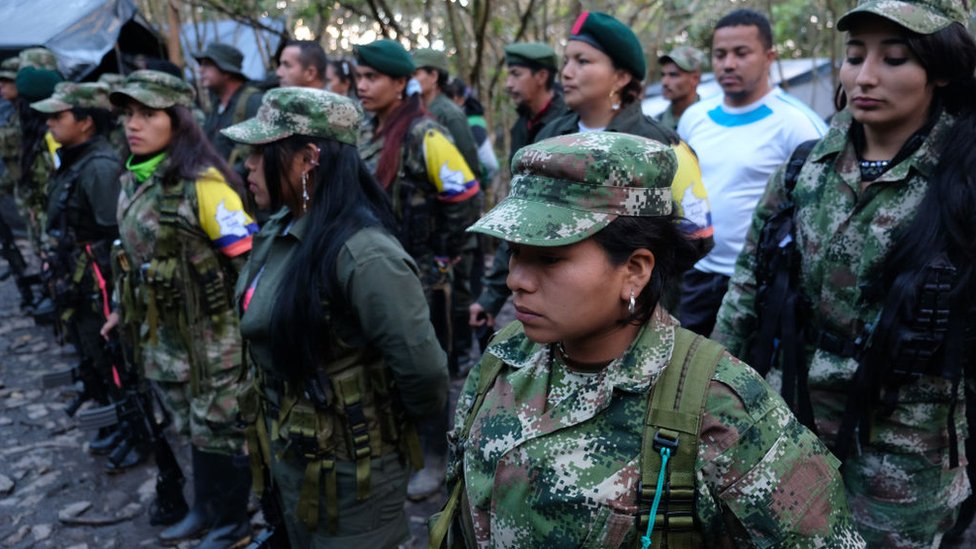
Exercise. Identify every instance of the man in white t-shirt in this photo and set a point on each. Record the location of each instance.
(740, 138)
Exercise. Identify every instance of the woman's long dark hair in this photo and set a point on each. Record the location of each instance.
(346, 199)
(190, 152)
(395, 132)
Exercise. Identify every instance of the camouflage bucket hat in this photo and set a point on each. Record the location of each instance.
(8, 69)
(921, 16)
(68, 95)
(300, 111)
(154, 89)
(568, 188)
(39, 58)
(226, 57)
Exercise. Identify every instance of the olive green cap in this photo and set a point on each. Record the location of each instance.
(531, 54)
(921, 16)
(300, 111)
(68, 95)
(386, 56)
(34, 84)
(428, 58)
(687, 58)
(40, 58)
(613, 38)
(8, 69)
(154, 89)
(226, 57)
(566, 189)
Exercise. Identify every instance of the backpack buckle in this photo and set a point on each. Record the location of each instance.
(666, 439)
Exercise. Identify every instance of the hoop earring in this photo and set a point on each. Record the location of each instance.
(304, 192)
(632, 304)
(615, 105)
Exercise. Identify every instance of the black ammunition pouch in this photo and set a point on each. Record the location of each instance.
(416, 222)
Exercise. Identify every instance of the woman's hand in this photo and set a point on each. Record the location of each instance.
(110, 323)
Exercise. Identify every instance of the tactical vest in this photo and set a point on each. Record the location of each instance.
(669, 447)
(413, 204)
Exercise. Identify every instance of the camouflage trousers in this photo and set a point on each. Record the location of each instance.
(903, 501)
(32, 210)
(210, 417)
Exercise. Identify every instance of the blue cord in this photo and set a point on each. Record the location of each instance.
(646, 539)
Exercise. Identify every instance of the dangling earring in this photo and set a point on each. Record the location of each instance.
(304, 192)
(615, 105)
(632, 304)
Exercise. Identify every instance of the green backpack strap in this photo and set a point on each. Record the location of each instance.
(669, 448)
(491, 366)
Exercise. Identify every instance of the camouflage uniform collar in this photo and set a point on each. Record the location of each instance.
(634, 372)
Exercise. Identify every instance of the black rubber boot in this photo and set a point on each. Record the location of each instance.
(232, 526)
(197, 522)
(105, 441)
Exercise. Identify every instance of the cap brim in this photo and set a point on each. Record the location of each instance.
(253, 132)
(540, 223)
(929, 22)
(50, 106)
(119, 98)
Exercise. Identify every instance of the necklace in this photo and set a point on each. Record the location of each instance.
(872, 169)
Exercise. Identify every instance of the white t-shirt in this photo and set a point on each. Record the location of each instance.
(738, 149)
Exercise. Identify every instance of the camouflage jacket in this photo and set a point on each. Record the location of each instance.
(552, 459)
(212, 223)
(843, 234)
(432, 176)
(667, 117)
(10, 153)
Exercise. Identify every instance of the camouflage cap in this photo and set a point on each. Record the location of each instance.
(39, 58)
(8, 69)
(566, 189)
(113, 80)
(154, 89)
(531, 53)
(300, 111)
(687, 58)
(68, 95)
(226, 57)
(921, 16)
(434, 59)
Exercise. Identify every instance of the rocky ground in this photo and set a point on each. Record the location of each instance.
(53, 493)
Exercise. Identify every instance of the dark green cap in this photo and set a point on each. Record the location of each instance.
(226, 57)
(613, 38)
(428, 58)
(531, 54)
(34, 84)
(386, 56)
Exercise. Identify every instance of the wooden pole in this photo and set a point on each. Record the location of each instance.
(173, 38)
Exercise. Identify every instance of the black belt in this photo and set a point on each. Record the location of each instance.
(839, 345)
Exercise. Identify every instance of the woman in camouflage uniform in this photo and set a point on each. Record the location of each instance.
(550, 447)
(336, 326)
(884, 234)
(185, 236)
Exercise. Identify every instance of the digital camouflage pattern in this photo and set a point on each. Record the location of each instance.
(687, 58)
(68, 95)
(154, 89)
(901, 488)
(209, 416)
(921, 16)
(8, 68)
(10, 145)
(30, 189)
(113, 80)
(39, 58)
(567, 188)
(553, 457)
(300, 111)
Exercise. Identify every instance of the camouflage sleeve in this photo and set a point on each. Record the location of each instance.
(772, 481)
(463, 406)
(494, 288)
(737, 315)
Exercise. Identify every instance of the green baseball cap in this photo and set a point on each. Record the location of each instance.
(386, 56)
(428, 58)
(613, 38)
(566, 189)
(687, 58)
(154, 89)
(921, 16)
(8, 69)
(68, 95)
(531, 54)
(226, 57)
(300, 111)
(39, 58)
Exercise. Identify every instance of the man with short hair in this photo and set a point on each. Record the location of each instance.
(232, 100)
(433, 75)
(741, 138)
(302, 63)
(680, 75)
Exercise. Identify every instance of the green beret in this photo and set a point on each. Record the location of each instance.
(227, 58)
(428, 58)
(68, 95)
(687, 58)
(613, 38)
(154, 89)
(568, 188)
(385, 56)
(8, 69)
(531, 54)
(34, 84)
(921, 16)
(300, 111)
